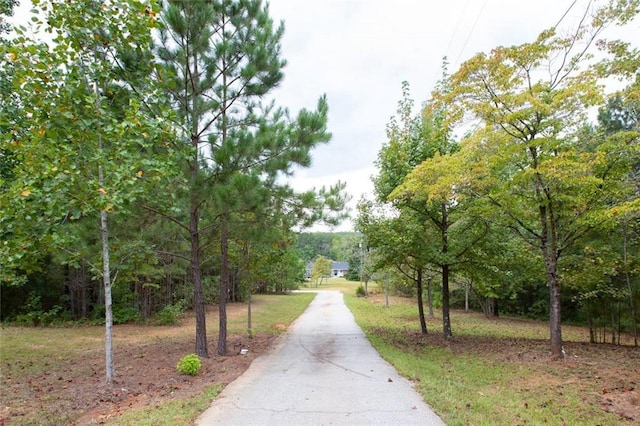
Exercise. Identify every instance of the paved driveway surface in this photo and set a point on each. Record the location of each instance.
(323, 371)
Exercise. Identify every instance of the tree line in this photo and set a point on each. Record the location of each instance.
(503, 186)
(142, 161)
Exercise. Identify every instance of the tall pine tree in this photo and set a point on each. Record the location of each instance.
(219, 59)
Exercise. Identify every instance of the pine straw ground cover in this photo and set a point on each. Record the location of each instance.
(54, 376)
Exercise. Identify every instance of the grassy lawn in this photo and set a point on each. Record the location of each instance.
(493, 372)
(498, 371)
(338, 284)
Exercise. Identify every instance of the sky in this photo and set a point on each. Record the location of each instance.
(358, 53)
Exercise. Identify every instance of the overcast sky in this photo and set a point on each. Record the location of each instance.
(358, 52)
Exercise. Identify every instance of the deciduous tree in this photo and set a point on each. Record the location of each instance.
(531, 99)
(78, 156)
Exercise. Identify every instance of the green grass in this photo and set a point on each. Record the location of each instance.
(28, 352)
(473, 386)
(270, 313)
(467, 381)
(175, 412)
(32, 350)
(338, 284)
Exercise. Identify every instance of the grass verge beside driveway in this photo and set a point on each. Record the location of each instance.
(499, 372)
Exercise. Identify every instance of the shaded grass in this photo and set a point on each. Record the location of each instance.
(497, 371)
(32, 350)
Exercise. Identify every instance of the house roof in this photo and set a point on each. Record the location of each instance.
(339, 265)
(334, 265)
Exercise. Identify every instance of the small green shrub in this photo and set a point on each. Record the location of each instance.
(170, 314)
(125, 314)
(360, 291)
(34, 318)
(189, 364)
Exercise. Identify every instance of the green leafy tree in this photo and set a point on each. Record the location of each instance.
(313, 244)
(398, 243)
(321, 269)
(419, 175)
(69, 145)
(532, 99)
(619, 126)
(344, 245)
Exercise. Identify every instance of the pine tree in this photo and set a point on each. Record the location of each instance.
(219, 59)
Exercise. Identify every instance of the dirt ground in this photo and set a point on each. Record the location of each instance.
(145, 375)
(77, 393)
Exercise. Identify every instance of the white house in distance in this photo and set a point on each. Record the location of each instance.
(338, 269)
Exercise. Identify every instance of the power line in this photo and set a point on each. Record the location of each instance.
(565, 14)
(470, 34)
(455, 30)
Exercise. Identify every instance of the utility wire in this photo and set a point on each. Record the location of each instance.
(470, 34)
(565, 14)
(455, 30)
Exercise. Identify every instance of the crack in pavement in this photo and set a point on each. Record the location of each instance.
(323, 370)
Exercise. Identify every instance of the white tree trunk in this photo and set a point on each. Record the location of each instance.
(106, 279)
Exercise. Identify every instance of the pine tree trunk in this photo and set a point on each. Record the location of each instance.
(196, 268)
(196, 271)
(224, 286)
(194, 216)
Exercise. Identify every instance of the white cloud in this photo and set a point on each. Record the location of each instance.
(358, 184)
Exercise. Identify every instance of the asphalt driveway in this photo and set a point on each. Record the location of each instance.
(323, 371)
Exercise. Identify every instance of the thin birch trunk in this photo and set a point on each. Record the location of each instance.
(106, 278)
